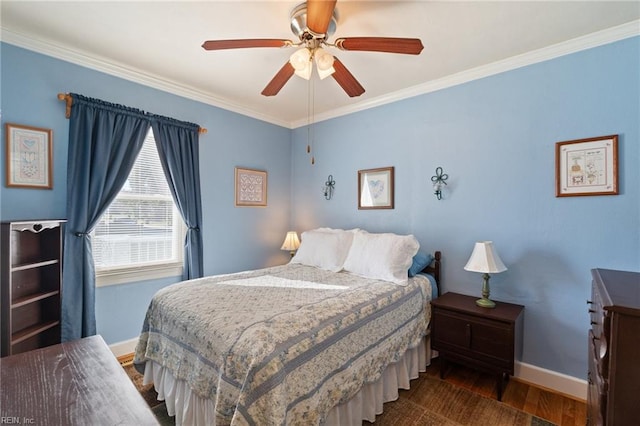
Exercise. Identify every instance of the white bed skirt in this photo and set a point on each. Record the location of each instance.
(191, 409)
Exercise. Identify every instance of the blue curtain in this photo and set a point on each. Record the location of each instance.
(104, 141)
(178, 148)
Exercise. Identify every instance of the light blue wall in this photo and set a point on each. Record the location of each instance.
(235, 238)
(495, 138)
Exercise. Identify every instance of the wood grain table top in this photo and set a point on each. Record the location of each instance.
(73, 383)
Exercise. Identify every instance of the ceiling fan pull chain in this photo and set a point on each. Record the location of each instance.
(309, 117)
(313, 115)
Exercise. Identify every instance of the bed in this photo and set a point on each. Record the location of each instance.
(325, 339)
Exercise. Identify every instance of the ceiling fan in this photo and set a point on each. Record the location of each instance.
(313, 22)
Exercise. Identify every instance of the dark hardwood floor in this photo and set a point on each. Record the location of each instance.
(551, 406)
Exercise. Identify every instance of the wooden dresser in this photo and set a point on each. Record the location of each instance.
(614, 348)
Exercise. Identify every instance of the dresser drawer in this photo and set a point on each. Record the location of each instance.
(597, 387)
(486, 340)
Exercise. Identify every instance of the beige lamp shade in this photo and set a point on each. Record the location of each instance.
(291, 242)
(484, 258)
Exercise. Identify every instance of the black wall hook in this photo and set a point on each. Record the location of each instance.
(329, 185)
(439, 180)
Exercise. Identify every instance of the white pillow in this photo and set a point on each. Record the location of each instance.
(335, 230)
(324, 249)
(384, 257)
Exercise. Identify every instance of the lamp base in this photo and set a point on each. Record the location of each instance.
(485, 303)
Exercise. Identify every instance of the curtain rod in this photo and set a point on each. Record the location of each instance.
(69, 100)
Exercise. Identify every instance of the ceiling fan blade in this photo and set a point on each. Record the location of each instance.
(346, 80)
(244, 43)
(410, 46)
(319, 13)
(279, 80)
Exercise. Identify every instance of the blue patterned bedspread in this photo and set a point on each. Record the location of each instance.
(282, 345)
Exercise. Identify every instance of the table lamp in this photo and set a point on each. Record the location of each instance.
(291, 242)
(485, 259)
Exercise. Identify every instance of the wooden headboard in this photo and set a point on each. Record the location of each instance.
(434, 268)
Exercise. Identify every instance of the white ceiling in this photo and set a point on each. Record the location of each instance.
(159, 43)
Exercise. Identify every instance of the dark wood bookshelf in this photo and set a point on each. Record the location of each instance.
(30, 287)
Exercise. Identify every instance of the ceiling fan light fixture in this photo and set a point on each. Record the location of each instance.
(305, 73)
(300, 59)
(324, 63)
(325, 73)
(324, 60)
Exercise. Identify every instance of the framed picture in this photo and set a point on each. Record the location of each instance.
(251, 188)
(375, 188)
(587, 167)
(28, 157)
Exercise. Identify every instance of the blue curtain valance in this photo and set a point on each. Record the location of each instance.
(173, 122)
(107, 106)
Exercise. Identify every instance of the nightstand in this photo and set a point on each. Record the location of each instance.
(485, 339)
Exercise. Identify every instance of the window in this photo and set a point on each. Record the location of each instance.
(141, 234)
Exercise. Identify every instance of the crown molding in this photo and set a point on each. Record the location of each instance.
(610, 35)
(600, 38)
(128, 73)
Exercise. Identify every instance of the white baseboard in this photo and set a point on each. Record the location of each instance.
(558, 382)
(124, 348)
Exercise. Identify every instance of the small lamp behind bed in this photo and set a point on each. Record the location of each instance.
(291, 242)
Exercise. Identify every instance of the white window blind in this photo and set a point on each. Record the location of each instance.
(142, 227)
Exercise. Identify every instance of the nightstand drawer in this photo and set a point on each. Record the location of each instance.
(487, 341)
